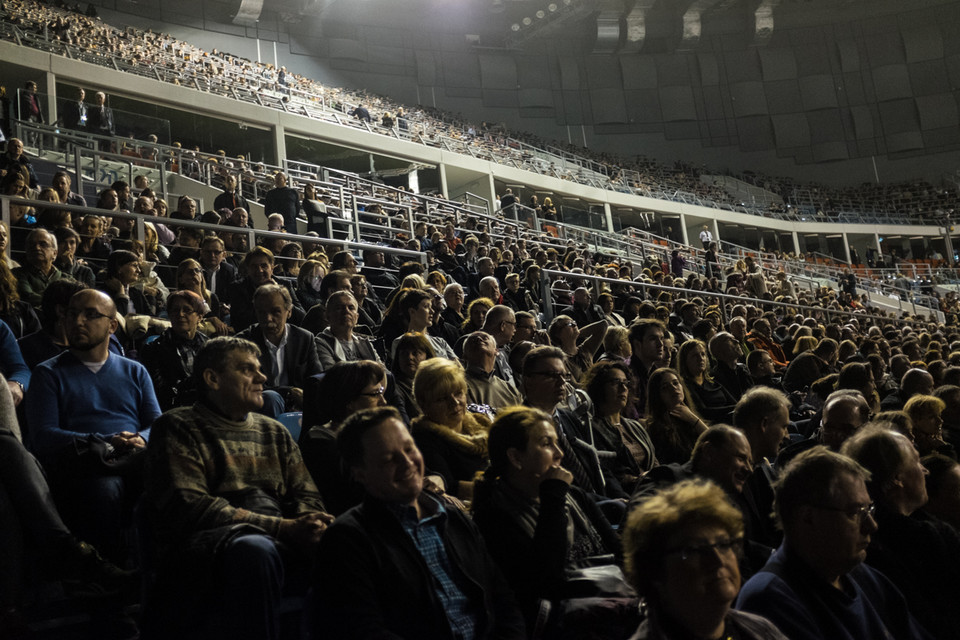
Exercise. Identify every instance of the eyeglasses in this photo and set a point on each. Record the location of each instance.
(857, 513)
(724, 546)
(375, 394)
(555, 376)
(622, 384)
(88, 314)
(176, 311)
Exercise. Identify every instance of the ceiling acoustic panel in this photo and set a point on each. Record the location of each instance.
(778, 64)
(533, 72)
(892, 82)
(535, 97)
(783, 96)
(342, 49)
(498, 72)
(818, 92)
(923, 44)
(755, 133)
(849, 54)
(426, 68)
(899, 116)
(863, 126)
(672, 70)
(748, 99)
(825, 126)
(906, 141)
(937, 111)
(829, 151)
(709, 70)
(639, 72)
(643, 106)
(791, 130)
(461, 70)
(928, 78)
(678, 104)
(569, 74)
(608, 105)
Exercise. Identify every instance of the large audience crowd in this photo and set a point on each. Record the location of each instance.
(179, 62)
(572, 407)
(508, 436)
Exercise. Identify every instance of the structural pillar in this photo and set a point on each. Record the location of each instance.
(279, 144)
(683, 229)
(796, 243)
(444, 191)
(846, 247)
(51, 91)
(608, 216)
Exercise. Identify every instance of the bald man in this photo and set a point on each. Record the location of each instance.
(90, 399)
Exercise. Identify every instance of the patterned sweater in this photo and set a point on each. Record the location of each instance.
(205, 471)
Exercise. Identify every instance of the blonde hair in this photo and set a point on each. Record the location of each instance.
(438, 377)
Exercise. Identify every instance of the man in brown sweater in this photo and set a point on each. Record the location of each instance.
(236, 514)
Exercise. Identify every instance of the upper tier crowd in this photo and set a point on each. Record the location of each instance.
(229, 75)
(491, 442)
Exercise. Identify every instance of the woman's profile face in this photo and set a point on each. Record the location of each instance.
(541, 454)
(671, 391)
(369, 397)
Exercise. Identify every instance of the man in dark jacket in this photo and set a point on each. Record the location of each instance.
(402, 564)
(283, 200)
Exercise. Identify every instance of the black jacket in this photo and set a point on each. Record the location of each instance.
(372, 582)
(300, 355)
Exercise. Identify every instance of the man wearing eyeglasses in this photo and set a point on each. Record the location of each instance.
(918, 552)
(816, 587)
(217, 272)
(90, 398)
(844, 412)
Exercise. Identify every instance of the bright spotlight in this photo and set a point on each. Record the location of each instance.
(552, 7)
(540, 14)
(515, 27)
(527, 21)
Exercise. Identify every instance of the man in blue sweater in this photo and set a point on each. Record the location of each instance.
(86, 394)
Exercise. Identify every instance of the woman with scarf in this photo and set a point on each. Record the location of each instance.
(452, 440)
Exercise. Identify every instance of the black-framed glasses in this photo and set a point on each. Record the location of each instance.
(555, 376)
(375, 394)
(87, 314)
(854, 513)
(723, 546)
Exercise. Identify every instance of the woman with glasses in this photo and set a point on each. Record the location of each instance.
(453, 441)
(346, 388)
(190, 278)
(681, 552)
(671, 419)
(624, 445)
(538, 527)
(169, 358)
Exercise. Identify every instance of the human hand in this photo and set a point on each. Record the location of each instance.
(304, 532)
(683, 413)
(16, 391)
(127, 441)
(557, 473)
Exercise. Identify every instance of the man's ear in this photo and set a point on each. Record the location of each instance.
(357, 475)
(211, 379)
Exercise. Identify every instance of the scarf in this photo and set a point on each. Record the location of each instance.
(473, 440)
